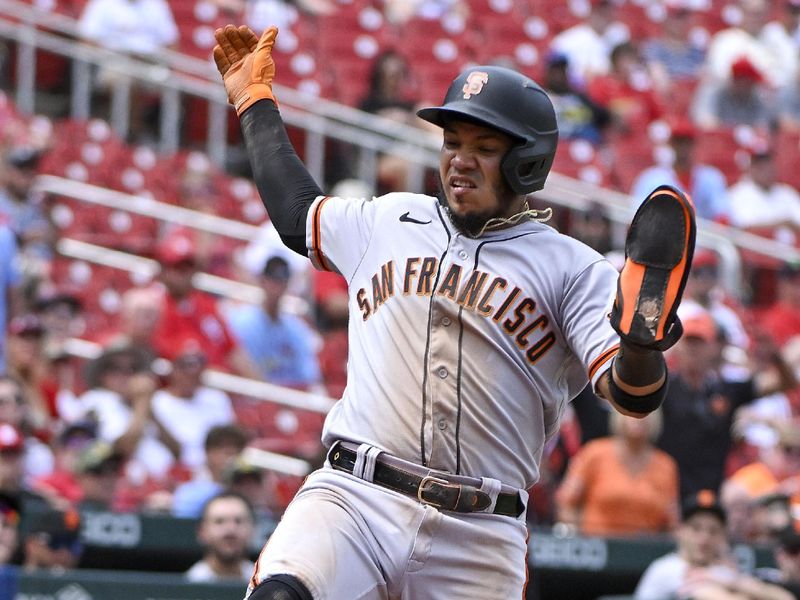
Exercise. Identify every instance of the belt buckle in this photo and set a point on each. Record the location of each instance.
(425, 485)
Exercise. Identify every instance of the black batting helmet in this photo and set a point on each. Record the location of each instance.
(510, 102)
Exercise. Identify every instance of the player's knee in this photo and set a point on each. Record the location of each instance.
(281, 587)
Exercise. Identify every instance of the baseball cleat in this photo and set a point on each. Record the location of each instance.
(658, 256)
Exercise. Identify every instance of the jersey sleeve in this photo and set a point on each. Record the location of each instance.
(585, 317)
(338, 232)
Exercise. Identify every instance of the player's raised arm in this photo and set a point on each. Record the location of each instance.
(287, 189)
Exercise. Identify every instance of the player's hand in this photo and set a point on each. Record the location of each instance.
(245, 63)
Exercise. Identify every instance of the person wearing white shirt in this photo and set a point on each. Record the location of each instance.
(188, 409)
(136, 26)
(759, 200)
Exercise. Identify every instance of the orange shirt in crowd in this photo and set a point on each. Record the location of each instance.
(612, 499)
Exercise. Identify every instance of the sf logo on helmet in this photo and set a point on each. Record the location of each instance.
(475, 82)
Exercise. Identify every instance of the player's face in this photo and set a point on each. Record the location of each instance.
(472, 181)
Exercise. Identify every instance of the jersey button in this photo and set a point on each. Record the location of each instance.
(463, 255)
(442, 372)
(442, 424)
(446, 321)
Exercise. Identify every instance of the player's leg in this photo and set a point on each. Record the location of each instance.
(476, 556)
(323, 546)
(281, 587)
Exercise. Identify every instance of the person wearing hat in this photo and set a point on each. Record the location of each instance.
(702, 400)
(121, 386)
(742, 99)
(52, 542)
(185, 407)
(21, 206)
(187, 311)
(781, 319)
(577, 115)
(702, 567)
(280, 344)
(30, 368)
(705, 183)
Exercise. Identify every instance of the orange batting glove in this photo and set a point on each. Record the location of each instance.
(246, 65)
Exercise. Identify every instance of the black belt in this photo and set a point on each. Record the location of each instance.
(456, 493)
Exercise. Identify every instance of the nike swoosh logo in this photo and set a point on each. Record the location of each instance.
(404, 218)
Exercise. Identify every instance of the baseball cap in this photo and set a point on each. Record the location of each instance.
(742, 68)
(239, 469)
(84, 429)
(98, 457)
(700, 325)
(176, 249)
(23, 157)
(277, 267)
(61, 528)
(184, 347)
(10, 438)
(683, 129)
(556, 58)
(53, 296)
(704, 501)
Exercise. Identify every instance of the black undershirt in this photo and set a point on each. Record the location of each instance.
(285, 186)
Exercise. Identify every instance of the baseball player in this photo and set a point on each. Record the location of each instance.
(472, 325)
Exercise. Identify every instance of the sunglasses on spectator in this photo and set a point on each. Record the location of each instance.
(791, 450)
(11, 399)
(195, 361)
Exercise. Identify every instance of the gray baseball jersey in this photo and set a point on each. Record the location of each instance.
(463, 352)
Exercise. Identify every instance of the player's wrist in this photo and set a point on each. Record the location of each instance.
(252, 94)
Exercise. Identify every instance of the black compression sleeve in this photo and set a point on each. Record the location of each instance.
(285, 186)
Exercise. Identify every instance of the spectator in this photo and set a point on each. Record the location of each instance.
(626, 92)
(742, 99)
(9, 529)
(98, 473)
(702, 567)
(10, 278)
(29, 367)
(61, 312)
(778, 469)
(23, 208)
(119, 398)
(227, 525)
(399, 12)
(673, 57)
(390, 95)
(705, 183)
(787, 559)
(186, 408)
(621, 485)
(588, 44)
(578, 117)
(759, 200)
(139, 315)
(223, 444)
(15, 410)
(61, 487)
(743, 40)
(255, 484)
(781, 320)
(702, 400)
(703, 288)
(188, 312)
(280, 344)
(52, 542)
(593, 228)
(12, 469)
(141, 28)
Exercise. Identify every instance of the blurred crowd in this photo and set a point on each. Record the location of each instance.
(103, 397)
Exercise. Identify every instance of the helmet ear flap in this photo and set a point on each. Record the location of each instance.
(526, 167)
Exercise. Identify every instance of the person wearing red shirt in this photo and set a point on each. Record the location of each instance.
(189, 313)
(782, 319)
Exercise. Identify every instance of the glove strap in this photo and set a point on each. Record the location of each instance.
(252, 94)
